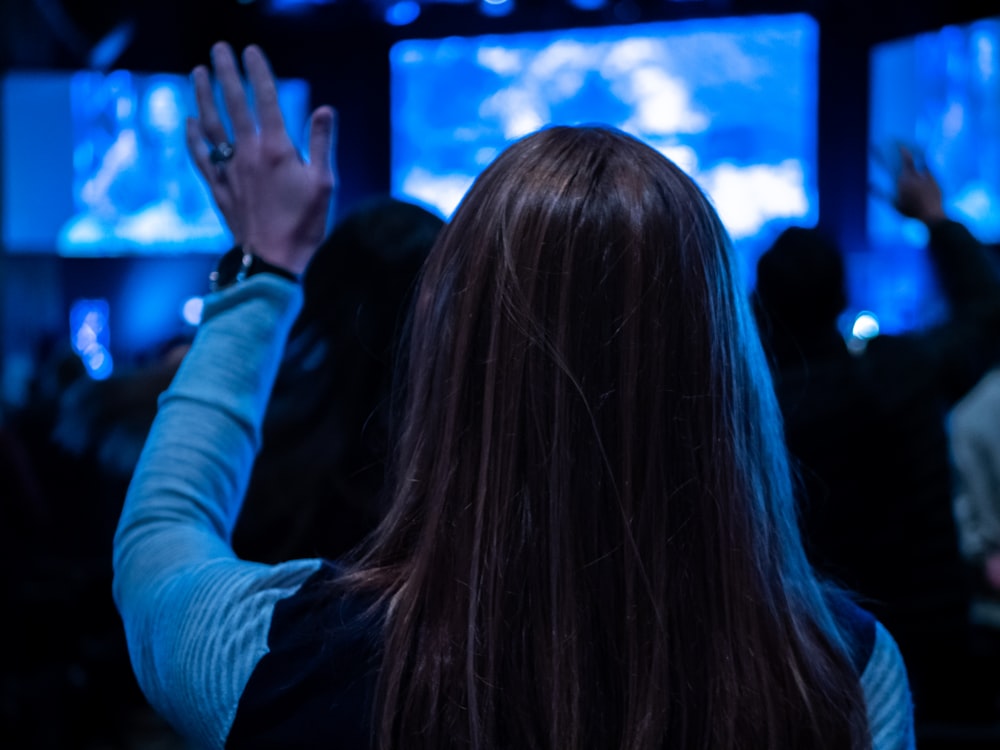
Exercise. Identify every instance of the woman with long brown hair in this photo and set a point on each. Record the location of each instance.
(591, 541)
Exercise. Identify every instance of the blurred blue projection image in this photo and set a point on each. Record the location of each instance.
(938, 93)
(732, 101)
(116, 177)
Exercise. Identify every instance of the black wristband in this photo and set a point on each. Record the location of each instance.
(240, 263)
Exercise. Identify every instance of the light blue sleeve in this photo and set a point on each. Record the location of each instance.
(887, 693)
(196, 617)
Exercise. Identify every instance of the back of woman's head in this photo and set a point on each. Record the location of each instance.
(592, 542)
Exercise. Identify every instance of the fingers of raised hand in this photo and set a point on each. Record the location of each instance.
(233, 93)
(322, 127)
(198, 148)
(210, 122)
(265, 93)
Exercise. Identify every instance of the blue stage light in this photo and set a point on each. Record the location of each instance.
(294, 6)
(588, 4)
(402, 13)
(496, 8)
(90, 336)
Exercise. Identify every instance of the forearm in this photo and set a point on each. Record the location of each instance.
(967, 275)
(887, 694)
(186, 492)
(196, 617)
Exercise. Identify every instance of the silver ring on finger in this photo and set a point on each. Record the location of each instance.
(221, 154)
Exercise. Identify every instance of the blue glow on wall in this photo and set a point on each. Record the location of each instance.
(732, 101)
(149, 303)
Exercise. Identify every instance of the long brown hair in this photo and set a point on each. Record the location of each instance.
(592, 541)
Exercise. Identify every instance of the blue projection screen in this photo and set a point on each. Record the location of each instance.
(938, 93)
(96, 164)
(732, 101)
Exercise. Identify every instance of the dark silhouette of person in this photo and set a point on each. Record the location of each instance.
(868, 433)
(316, 487)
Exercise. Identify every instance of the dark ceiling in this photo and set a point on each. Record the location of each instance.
(175, 34)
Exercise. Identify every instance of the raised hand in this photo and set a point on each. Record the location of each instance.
(272, 200)
(918, 194)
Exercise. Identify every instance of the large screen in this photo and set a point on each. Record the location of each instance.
(96, 164)
(938, 94)
(731, 100)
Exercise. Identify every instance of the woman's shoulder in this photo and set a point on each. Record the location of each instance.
(858, 625)
(881, 670)
(315, 686)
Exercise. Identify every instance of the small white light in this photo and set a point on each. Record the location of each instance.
(865, 325)
(192, 309)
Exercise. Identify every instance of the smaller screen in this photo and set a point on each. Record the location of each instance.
(97, 164)
(938, 94)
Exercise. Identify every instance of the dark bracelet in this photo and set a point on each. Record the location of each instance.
(239, 264)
